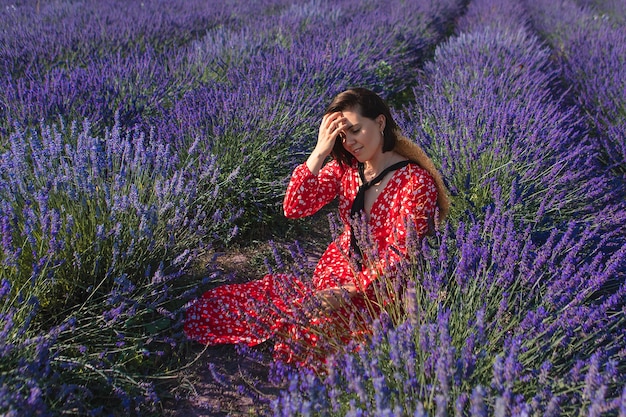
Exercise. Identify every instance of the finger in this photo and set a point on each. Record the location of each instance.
(338, 125)
(331, 118)
(328, 119)
(350, 287)
(340, 119)
(341, 127)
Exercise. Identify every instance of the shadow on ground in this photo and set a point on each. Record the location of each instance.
(225, 382)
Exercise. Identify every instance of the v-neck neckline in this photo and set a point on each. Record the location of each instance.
(383, 191)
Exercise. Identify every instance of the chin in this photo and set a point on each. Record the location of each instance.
(359, 156)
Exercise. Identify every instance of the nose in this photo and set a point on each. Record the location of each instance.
(347, 138)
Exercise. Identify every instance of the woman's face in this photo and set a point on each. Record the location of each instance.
(362, 137)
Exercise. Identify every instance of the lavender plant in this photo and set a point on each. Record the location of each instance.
(94, 230)
(115, 354)
(508, 127)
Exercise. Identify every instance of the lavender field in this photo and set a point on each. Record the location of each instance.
(139, 140)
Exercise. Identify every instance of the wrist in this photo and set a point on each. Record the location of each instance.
(315, 161)
(321, 153)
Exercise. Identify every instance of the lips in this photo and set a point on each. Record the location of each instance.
(355, 151)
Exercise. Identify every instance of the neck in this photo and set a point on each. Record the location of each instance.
(376, 165)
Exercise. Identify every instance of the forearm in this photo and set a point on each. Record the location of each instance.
(316, 161)
(307, 193)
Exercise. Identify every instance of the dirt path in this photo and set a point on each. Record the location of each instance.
(226, 383)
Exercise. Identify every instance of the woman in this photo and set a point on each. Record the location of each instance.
(386, 186)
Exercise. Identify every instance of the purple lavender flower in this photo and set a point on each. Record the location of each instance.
(478, 407)
(5, 288)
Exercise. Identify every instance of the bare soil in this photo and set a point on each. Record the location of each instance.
(223, 383)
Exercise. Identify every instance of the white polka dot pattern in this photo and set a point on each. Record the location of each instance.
(255, 311)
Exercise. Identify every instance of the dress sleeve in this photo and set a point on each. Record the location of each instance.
(307, 193)
(412, 219)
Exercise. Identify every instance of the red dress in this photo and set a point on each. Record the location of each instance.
(272, 306)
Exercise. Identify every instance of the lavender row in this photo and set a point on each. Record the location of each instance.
(111, 357)
(38, 36)
(520, 308)
(505, 125)
(591, 47)
(534, 152)
(89, 208)
(95, 59)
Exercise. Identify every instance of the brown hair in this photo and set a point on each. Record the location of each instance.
(367, 104)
